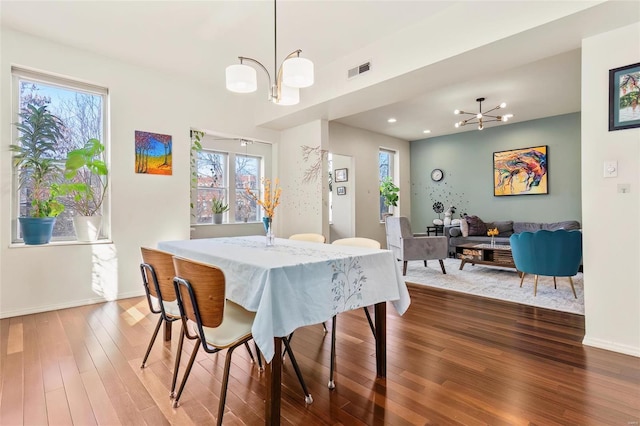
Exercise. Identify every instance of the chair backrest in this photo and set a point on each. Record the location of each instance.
(397, 228)
(158, 266)
(316, 238)
(201, 292)
(357, 242)
(550, 253)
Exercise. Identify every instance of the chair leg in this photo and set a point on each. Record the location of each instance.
(371, 326)
(332, 363)
(287, 348)
(442, 266)
(573, 288)
(225, 384)
(153, 339)
(522, 279)
(325, 328)
(425, 263)
(176, 402)
(176, 367)
(260, 367)
(555, 286)
(404, 268)
(246, 345)
(535, 286)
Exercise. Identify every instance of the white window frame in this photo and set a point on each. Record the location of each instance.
(230, 186)
(17, 74)
(392, 168)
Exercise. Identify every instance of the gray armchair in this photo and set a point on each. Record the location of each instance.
(406, 246)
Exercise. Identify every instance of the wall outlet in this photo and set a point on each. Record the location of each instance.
(624, 188)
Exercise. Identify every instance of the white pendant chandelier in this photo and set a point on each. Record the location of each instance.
(480, 118)
(294, 73)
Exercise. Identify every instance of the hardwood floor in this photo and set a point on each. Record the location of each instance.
(452, 359)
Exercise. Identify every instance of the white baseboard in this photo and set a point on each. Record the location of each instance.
(611, 346)
(70, 304)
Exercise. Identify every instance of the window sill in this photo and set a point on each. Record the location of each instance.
(61, 243)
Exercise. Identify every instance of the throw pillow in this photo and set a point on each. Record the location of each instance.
(464, 228)
(476, 226)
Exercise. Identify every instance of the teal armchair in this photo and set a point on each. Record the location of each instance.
(549, 253)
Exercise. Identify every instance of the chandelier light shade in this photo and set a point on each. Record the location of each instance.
(480, 118)
(241, 78)
(294, 73)
(297, 72)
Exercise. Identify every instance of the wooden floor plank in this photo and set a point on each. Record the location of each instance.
(451, 359)
(35, 412)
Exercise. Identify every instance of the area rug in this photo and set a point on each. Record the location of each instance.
(499, 283)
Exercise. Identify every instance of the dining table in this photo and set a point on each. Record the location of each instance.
(291, 284)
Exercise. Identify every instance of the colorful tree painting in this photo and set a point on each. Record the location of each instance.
(153, 153)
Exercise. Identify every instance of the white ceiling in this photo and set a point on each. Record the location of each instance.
(198, 39)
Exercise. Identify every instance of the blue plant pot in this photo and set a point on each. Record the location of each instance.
(37, 230)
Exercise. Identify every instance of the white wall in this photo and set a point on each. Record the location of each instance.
(145, 208)
(343, 206)
(610, 219)
(303, 181)
(364, 147)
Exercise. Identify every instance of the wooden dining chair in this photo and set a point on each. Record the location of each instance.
(357, 242)
(214, 322)
(157, 277)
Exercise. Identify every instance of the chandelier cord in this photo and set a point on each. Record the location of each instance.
(275, 38)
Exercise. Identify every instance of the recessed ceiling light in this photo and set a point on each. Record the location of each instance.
(426, 131)
(391, 120)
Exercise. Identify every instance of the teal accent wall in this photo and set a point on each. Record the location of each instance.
(467, 161)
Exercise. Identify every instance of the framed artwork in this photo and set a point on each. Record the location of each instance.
(342, 190)
(522, 171)
(153, 153)
(341, 175)
(624, 92)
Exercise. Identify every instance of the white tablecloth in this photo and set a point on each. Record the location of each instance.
(297, 283)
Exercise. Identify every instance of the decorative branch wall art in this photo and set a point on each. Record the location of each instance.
(153, 153)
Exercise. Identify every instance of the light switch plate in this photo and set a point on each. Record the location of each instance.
(610, 169)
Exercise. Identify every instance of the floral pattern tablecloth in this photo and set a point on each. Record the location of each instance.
(297, 283)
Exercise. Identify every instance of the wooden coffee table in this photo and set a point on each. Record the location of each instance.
(485, 254)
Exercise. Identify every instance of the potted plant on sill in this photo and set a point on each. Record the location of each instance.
(218, 207)
(38, 171)
(86, 173)
(389, 192)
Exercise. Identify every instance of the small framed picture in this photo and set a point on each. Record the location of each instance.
(342, 190)
(341, 175)
(624, 97)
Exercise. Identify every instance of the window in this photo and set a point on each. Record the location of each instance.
(247, 175)
(213, 177)
(212, 183)
(386, 159)
(82, 110)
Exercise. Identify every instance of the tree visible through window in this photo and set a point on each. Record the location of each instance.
(214, 177)
(80, 108)
(385, 164)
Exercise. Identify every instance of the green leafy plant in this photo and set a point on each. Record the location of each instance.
(196, 146)
(218, 206)
(39, 131)
(87, 172)
(389, 191)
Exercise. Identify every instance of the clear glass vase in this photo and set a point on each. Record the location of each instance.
(268, 227)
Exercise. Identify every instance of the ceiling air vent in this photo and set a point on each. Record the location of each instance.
(360, 69)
